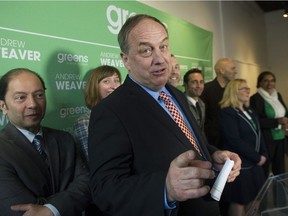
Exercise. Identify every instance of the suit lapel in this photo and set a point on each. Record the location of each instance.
(52, 150)
(148, 104)
(182, 101)
(32, 161)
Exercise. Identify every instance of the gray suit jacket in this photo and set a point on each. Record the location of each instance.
(195, 113)
(26, 178)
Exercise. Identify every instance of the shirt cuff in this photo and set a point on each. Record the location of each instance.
(53, 209)
(168, 205)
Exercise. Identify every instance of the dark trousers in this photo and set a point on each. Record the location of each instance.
(277, 158)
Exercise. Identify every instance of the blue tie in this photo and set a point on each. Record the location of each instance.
(37, 143)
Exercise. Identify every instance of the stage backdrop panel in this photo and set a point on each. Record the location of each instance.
(62, 41)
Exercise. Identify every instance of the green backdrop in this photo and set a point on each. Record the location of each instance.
(64, 40)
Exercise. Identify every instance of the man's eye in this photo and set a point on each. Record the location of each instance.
(146, 52)
(40, 95)
(164, 47)
(20, 97)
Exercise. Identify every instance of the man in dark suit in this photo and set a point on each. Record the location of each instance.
(47, 180)
(193, 82)
(225, 70)
(141, 163)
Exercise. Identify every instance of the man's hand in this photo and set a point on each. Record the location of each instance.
(186, 177)
(32, 210)
(219, 158)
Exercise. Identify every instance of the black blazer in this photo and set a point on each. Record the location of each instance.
(132, 141)
(257, 103)
(240, 136)
(25, 177)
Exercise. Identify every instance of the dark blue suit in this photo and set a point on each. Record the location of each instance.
(243, 136)
(240, 136)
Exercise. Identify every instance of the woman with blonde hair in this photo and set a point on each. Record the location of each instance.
(240, 131)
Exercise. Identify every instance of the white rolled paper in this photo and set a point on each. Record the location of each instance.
(221, 180)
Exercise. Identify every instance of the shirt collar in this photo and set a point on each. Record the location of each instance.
(154, 94)
(29, 135)
(192, 100)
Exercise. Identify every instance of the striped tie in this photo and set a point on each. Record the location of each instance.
(178, 119)
(38, 146)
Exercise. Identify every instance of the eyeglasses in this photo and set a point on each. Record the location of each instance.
(244, 89)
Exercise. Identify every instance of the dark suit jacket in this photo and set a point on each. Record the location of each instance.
(25, 177)
(257, 103)
(241, 137)
(132, 141)
(195, 113)
(211, 96)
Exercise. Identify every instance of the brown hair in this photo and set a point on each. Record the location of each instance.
(92, 92)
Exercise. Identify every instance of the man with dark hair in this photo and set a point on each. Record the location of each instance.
(194, 86)
(40, 171)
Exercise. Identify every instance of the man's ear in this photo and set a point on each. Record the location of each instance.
(3, 107)
(125, 60)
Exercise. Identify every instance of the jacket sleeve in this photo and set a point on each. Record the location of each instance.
(116, 186)
(74, 194)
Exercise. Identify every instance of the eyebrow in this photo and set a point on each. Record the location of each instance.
(149, 44)
(22, 92)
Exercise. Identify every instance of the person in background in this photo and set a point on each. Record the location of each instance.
(241, 133)
(102, 81)
(272, 112)
(194, 86)
(40, 170)
(175, 76)
(141, 162)
(225, 70)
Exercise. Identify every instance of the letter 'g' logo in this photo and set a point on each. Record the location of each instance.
(116, 18)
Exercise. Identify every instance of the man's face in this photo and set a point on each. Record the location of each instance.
(25, 102)
(228, 71)
(174, 77)
(148, 60)
(195, 85)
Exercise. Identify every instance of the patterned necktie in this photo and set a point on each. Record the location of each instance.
(38, 146)
(178, 119)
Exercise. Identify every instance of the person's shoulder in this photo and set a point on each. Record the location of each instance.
(57, 133)
(83, 118)
(176, 92)
(229, 110)
(255, 96)
(210, 86)
(201, 101)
